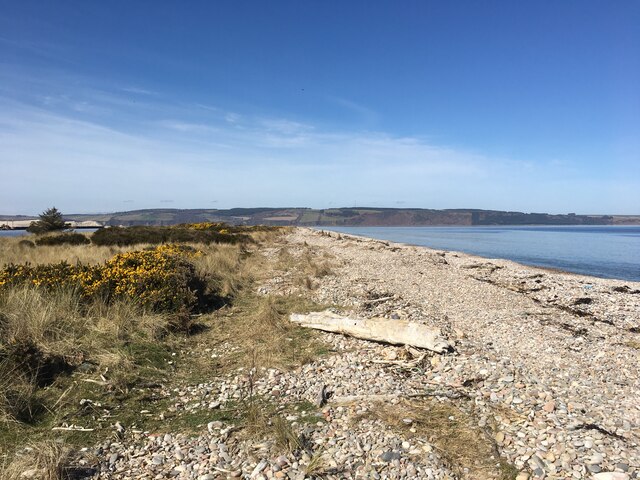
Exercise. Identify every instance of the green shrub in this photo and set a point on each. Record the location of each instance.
(64, 239)
(50, 220)
(26, 244)
(154, 235)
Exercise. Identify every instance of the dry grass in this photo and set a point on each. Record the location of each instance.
(305, 267)
(261, 421)
(453, 430)
(226, 267)
(12, 252)
(43, 461)
(633, 344)
(45, 334)
(260, 333)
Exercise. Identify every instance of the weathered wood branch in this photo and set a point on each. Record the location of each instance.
(397, 332)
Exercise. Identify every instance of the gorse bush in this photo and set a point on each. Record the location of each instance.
(155, 235)
(161, 278)
(64, 239)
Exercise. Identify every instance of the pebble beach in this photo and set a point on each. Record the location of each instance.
(542, 382)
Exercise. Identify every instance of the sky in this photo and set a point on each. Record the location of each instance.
(120, 105)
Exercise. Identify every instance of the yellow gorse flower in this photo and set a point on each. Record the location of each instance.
(160, 277)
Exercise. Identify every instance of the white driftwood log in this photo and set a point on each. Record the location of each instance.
(398, 332)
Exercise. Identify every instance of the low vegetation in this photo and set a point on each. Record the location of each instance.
(63, 239)
(204, 233)
(452, 429)
(87, 331)
(161, 278)
(50, 220)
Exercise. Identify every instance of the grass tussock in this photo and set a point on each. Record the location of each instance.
(44, 335)
(261, 333)
(453, 431)
(261, 420)
(633, 344)
(306, 267)
(47, 460)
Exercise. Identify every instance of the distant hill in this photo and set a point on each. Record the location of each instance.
(360, 216)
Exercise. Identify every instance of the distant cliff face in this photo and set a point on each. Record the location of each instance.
(369, 217)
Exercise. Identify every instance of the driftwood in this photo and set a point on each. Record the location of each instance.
(72, 428)
(397, 332)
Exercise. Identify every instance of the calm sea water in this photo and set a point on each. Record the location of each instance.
(601, 251)
(20, 233)
(13, 233)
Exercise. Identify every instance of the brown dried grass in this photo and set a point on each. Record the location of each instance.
(453, 430)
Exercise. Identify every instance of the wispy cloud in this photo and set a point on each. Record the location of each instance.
(93, 149)
(366, 114)
(138, 91)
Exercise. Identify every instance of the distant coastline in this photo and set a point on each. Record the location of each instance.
(347, 217)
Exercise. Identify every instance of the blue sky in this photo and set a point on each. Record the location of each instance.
(119, 105)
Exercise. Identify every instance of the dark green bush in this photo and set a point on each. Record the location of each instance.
(51, 220)
(155, 235)
(64, 239)
(26, 244)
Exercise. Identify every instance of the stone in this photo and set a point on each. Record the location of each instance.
(389, 456)
(549, 406)
(622, 466)
(610, 476)
(259, 467)
(596, 458)
(594, 468)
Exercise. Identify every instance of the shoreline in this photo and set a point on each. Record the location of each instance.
(459, 252)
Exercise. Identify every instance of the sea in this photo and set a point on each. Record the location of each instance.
(21, 233)
(600, 251)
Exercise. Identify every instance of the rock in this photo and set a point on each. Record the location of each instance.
(610, 476)
(549, 406)
(321, 397)
(389, 456)
(596, 458)
(622, 466)
(259, 467)
(215, 425)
